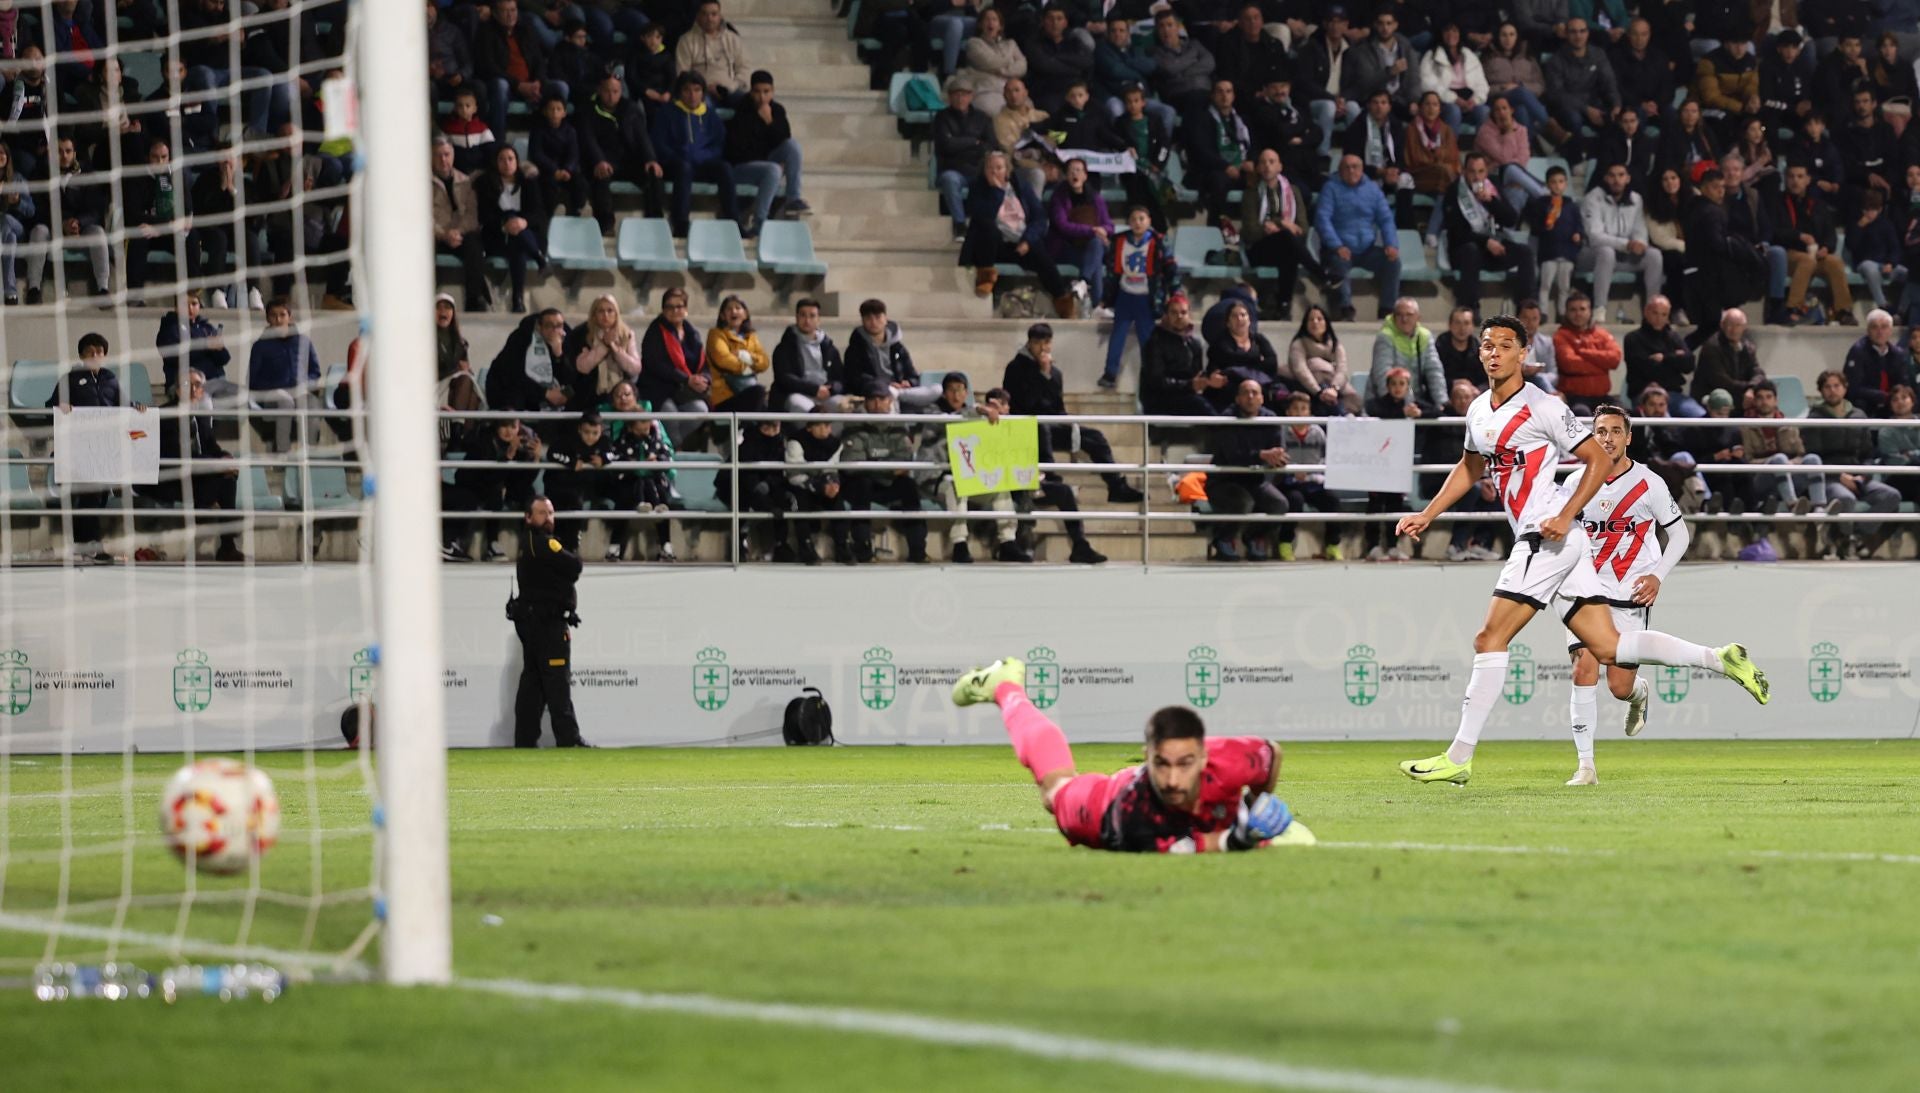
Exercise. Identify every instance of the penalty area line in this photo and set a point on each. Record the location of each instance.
(1202, 1065)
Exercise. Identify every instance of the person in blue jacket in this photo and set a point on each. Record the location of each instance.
(1356, 229)
(691, 141)
(283, 372)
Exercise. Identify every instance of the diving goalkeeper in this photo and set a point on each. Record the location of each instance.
(1191, 796)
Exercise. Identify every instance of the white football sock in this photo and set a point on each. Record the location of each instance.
(1585, 710)
(1653, 647)
(1483, 690)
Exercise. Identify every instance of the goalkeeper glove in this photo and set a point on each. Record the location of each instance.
(1261, 818)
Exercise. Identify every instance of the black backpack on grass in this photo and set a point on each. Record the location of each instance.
(809, 720)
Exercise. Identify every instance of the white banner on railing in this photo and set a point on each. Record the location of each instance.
(1100, 163)
(106, 445)
(1371, 454)
(711, 656)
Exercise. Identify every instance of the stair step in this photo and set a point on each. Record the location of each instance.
(890, 154)
(921, 231)
(813, 77)
(888, 254)
(812, 127)
(782, 47)
(848, 195)
(801, 102)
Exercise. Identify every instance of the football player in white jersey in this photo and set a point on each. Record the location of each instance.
(1622, 523)
(1516, 433)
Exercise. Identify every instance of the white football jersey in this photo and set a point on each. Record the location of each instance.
(1523, 440)
(1620, 522)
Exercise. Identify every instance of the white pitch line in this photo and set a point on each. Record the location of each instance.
(1199, 1065)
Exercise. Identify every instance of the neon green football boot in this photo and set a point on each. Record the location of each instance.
(1438, 769)
(979, 685)
(1739, 668)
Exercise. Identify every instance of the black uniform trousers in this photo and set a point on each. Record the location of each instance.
(545, 682)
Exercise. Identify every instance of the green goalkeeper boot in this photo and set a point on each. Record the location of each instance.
(980, 684)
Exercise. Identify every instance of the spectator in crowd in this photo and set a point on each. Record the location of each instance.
(1248, 55)
(1514, 75)
(992, 60)
(510, 58)
(632, 441)
(455, 388)
(1875, 366)
(952, 21)
(1229, 494)
(1848, 492)
(1722, 444)
(16, 215)
(1144, 276)
(1384, 61)
(1082, 125)
(716, 52)
(87, 384)
(1173, 371)
(1452, 73)
(1537, 366)
(578, 479)
(1892, 75)
(1119, 64)
(1874, 249)
(1613, 218)
(1780, 446)
(1628, 143)
(215, 199)
(472, 138)
(1243, 353)
(1433, 158)
(1379, 140)
(1762, 171)
(1658, 356)
(1404, 344)
(807, 369)
(761, 491)
(1838, 72)
(1642, 71)
(1306, 445)
(1018, 131)
(1898, 442)
(1558, 234)
(1005, 223)
(1686, 145)
(1728, 360)
(615, 146)
(456, 224)
(1507, 148)
(190, 441)
(522, 377)
(875, 353)
(1815, 147)
(1667, 451)
(1213, 325)
(673, 372)
(571, 61)
(1056, 59)
(283, 373)
(1317, 366)
(159, 214)
(488, 489)
(1459, 349)
(1868, 149)
(1471, 540)
(1273, 230)
(208, 30)
(1152, 145)
(84, 208)
(600, 353)
(1581, 87)
(1219, 155)
(1805, 227)
(962, 137)
(449, 54)
(185, 334)
(1475, 215)
(1392, 400)
(554, 150)
(899, 490)
(956, 400)
(650, 67)
(1034, 387)
(761, 147)
(1727, 83)
(691, 141)
(1356, 229)
(1276, 122)
(1183, 68)
(513, 220)
(1585, 355)
(736, 360)
(1082, 230)
(817, 489)
(1729, 266)
(1668, 207)
(1322, 61)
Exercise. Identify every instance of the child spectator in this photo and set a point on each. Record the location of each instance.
(651, 491)
(1306, 444)
(1873, 248)
(553, 147)
(1558, 234)
(1395, 402)
(650, 67)
(471, 137)
(1143, 277)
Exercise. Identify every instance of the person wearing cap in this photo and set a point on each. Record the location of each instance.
(896, 489)
(761, 147)
(962, 137)
(1786, 83)
(1721, 444)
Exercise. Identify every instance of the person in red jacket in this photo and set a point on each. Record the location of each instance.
(1585, 354)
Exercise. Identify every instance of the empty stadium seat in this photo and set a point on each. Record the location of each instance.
(16, 489)
(329, 489)
(1192, 243)
(574, 242)
(786, 246)
(714, 246)
(1793, 395)
(647, 245)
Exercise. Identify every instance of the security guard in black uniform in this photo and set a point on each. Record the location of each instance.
(541, 615)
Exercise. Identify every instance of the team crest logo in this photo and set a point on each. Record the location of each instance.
(1518, 687)
(1043, 677)
(712, 679)
(1823, 672)
(878, 679)
(192, 681)
(1203, 676)
(360, 676)
(1362, 675)
(17, 677)
(1671, 683)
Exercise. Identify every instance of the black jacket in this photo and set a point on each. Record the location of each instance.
(863, 366)
(82, 386)
(660, 380)
(1670, 372)
(1638, 154)
(1159, 142)
(145, 192)
(547, 572)
(533, 207)
(556, 148)
(86, 202)
(490, 50)
(750, 140)
(1241, 445)
(1790, 216)
(1867, 150)
(1030, 391)
(789, 368)
(1250, 64)
(1460, 232)
(961, 141)
(618, 137)
(1642, 79)
(1168, 363)
(508, 385)
(1202, 130)
(1677, 147)
(1088, 128)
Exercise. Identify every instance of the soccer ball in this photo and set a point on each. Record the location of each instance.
(219, 814)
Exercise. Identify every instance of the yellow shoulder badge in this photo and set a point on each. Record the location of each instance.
(553, 545)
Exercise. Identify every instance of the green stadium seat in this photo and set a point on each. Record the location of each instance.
(698, 486)
(31, 383)
(16, 489)
(714, 246)
(330, 489)
(574, 242)
(647, 245)
(254, 493)
(786, 246)
(1192, 243)
(1793, 395)
(1413, 258)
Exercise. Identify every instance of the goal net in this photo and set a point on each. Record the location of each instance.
(194, 492)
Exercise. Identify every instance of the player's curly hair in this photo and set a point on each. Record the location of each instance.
(1506, 322)
(1174, 723)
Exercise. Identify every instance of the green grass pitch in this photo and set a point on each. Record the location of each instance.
(1726, 916)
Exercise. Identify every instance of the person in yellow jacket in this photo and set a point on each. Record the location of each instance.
(737, 360)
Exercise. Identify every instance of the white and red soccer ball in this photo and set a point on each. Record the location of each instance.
(219, 814)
